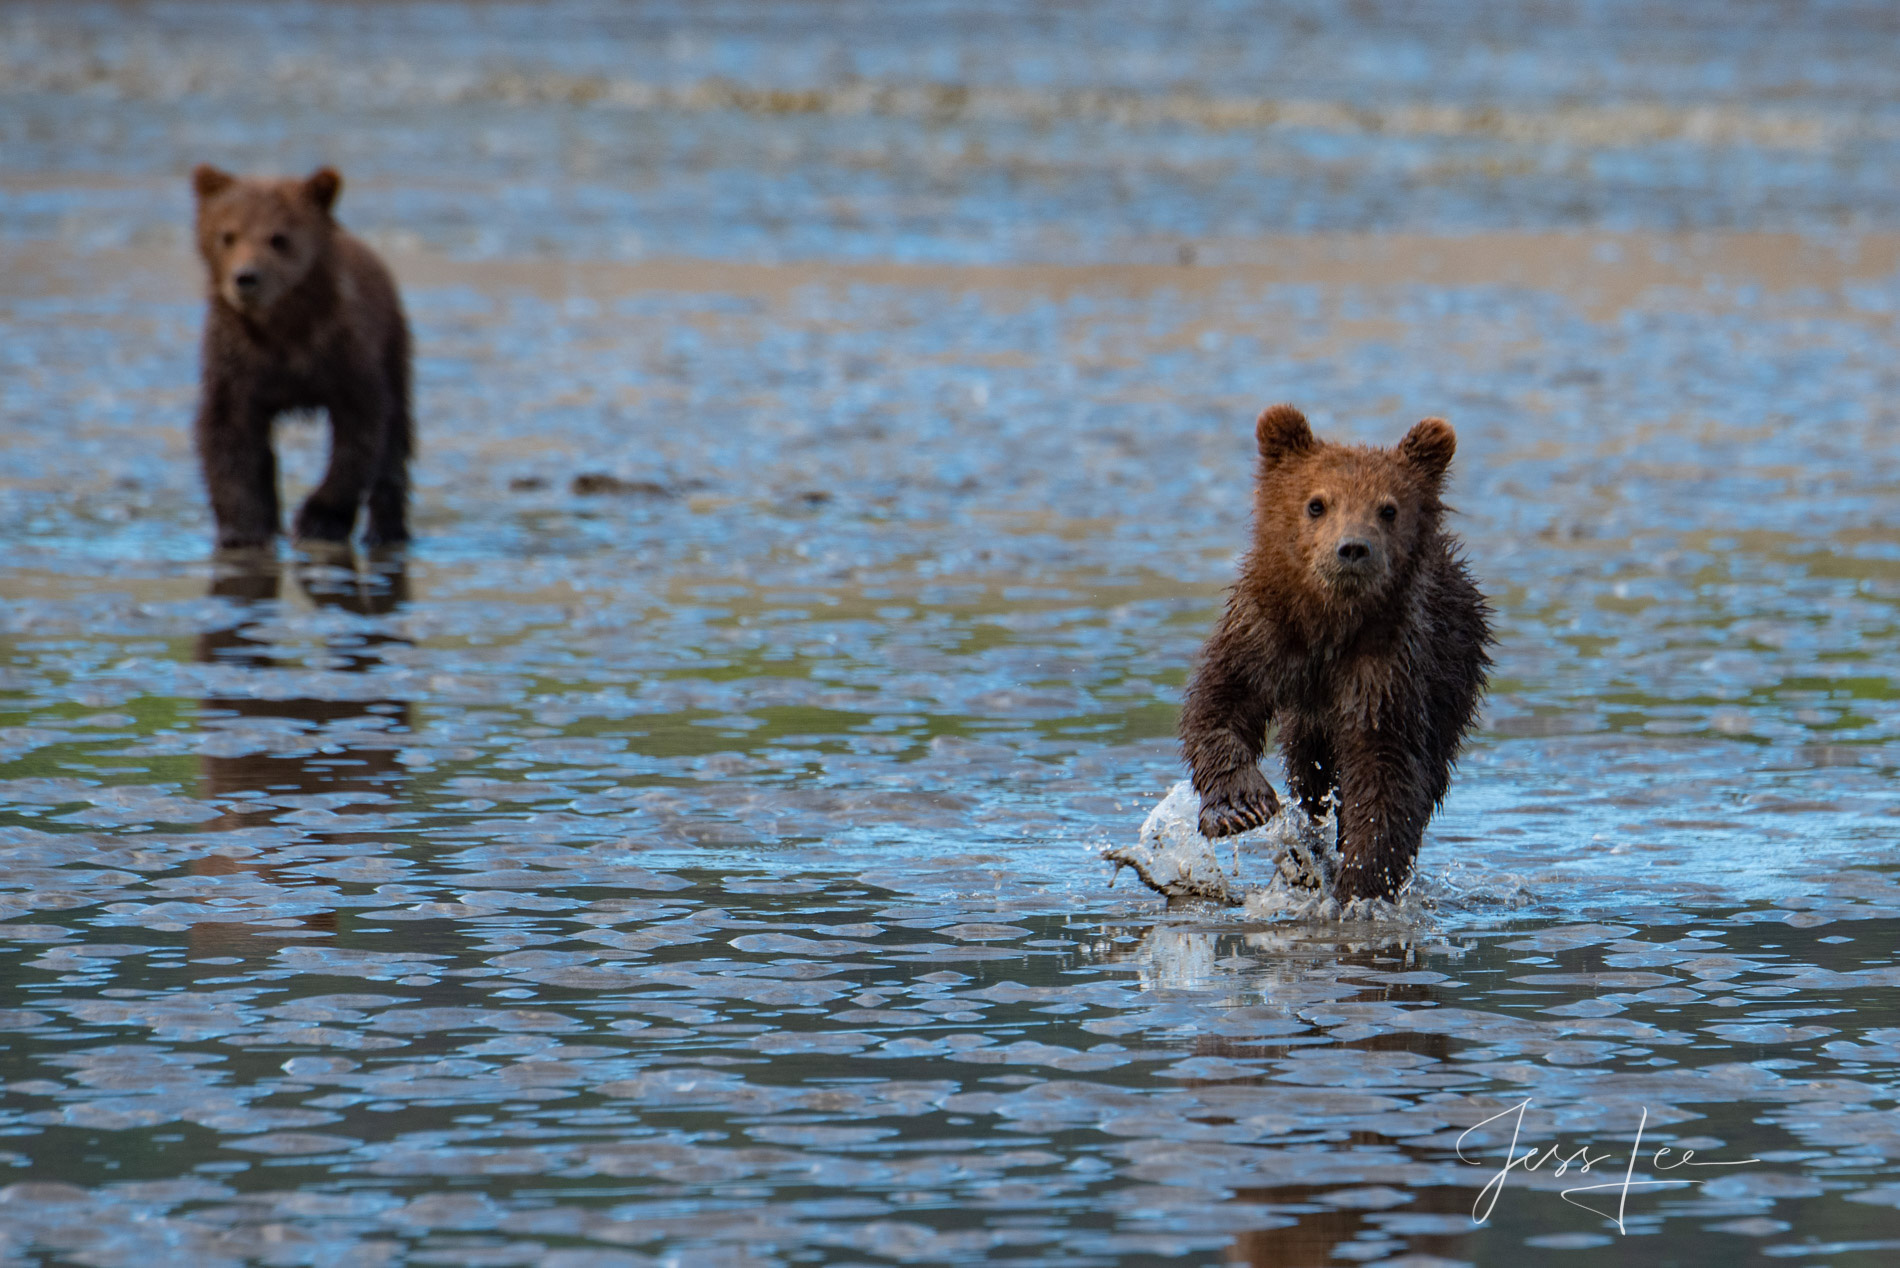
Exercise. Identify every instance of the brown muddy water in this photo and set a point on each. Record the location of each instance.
(697, 864)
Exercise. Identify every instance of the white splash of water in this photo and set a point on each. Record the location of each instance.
(1285, 870)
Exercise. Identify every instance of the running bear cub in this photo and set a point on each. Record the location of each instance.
(300, 316)
(1355, 628)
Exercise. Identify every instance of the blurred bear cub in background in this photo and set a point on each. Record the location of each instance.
(1356, 628)
(301, 316)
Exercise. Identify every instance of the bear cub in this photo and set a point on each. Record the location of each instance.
(1354, 628)
(301, 315)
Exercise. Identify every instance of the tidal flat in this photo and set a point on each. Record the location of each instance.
(835, 440)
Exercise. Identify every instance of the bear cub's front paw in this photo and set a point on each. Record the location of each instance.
(1241, 801)
(321, 522)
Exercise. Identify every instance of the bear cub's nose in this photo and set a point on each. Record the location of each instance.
(245, 279)
(1354, 551)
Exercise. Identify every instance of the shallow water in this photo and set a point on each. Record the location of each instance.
(705, 872)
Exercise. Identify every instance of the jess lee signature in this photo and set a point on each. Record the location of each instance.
(1583, 1160)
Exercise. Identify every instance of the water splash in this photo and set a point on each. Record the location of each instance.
(1291, 851)
(1286, 870)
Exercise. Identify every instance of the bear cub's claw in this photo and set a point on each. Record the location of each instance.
(1242, 801)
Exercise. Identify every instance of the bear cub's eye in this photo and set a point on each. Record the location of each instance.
(280, 243)
(1388, 512)
(1316, 508)
(228, 238)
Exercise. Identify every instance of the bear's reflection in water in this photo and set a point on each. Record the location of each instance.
(352, 764)
(1431, 1219)
(1435, 1221)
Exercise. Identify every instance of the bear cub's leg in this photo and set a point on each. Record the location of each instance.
(1385, 798)
(389, 491)
(1223, 730)
(357, 423)
(240, 472)
(1311, 770)
(388, 510)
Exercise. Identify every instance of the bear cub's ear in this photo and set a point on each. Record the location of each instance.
(208, 181)
(1428, 448)
(1282, 432)
(323, 185)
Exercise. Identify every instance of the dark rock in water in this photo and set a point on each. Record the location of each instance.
(527, 484)
(599, 483)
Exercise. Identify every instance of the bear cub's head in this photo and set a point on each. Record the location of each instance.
(1345, 522)
(261, 238)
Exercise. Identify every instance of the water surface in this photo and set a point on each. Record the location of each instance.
(702, 870)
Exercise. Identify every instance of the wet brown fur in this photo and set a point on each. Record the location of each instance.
(1357, 629)
(300, 315)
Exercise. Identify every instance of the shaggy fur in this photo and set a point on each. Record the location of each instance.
(1356, 628)
(300, 316)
